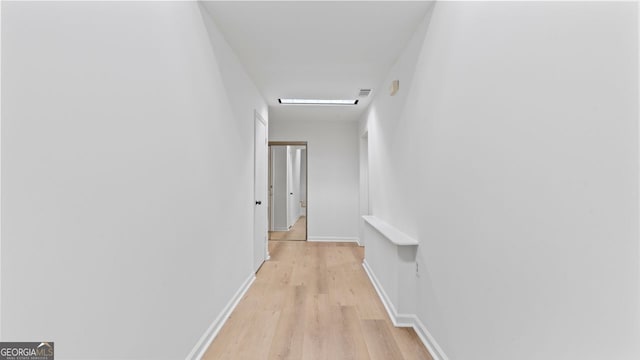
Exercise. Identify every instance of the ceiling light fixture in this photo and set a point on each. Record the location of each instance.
(316, 102)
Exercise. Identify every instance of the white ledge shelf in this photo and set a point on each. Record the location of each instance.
(394, 235)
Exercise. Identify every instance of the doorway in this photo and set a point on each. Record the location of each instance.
(288, 211)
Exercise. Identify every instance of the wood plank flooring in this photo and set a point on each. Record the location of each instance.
(313, 301)
(297, 232)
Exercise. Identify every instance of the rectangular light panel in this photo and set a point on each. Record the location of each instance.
(316, 102)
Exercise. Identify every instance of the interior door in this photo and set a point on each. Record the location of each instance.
(260, 231)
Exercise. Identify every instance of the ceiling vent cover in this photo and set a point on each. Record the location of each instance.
(364, 92)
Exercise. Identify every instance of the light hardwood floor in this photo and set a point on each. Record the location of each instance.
(313, 301)
(297, 232)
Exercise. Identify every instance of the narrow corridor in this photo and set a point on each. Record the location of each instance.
(297, 231)
(313, 301)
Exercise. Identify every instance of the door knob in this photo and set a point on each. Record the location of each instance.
(258, 202)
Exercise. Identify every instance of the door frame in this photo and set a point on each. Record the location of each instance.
(257, 117)
(306, 170)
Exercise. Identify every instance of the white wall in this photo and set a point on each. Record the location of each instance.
(122, 236)
(1, 337)
(510, 153)
(279, 182)
(332, 171)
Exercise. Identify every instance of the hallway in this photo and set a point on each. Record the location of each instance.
(484, 153)
(313, 301)
(296, 233)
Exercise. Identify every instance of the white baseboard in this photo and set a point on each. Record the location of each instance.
(388, 305)
(332, 239)
(276, 228)
(405, 320)
(207, 338)
(427, 339)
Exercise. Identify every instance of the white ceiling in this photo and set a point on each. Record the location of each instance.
(317, 49)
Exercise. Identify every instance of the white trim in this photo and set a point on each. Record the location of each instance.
(405, 320)
(388, 305)
(257, 115)
(207, 338)
(277, 228)
(427, 339)
(333, 239)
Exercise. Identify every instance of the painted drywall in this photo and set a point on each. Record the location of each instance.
(123, 236)
(332, 170)
(1, 337)
(510, 153)
(279, 191)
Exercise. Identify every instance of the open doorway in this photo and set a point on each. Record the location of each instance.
(288, 191)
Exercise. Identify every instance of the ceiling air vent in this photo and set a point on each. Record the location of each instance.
(364, 92)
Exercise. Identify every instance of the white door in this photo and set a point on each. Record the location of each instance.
(260, 193)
